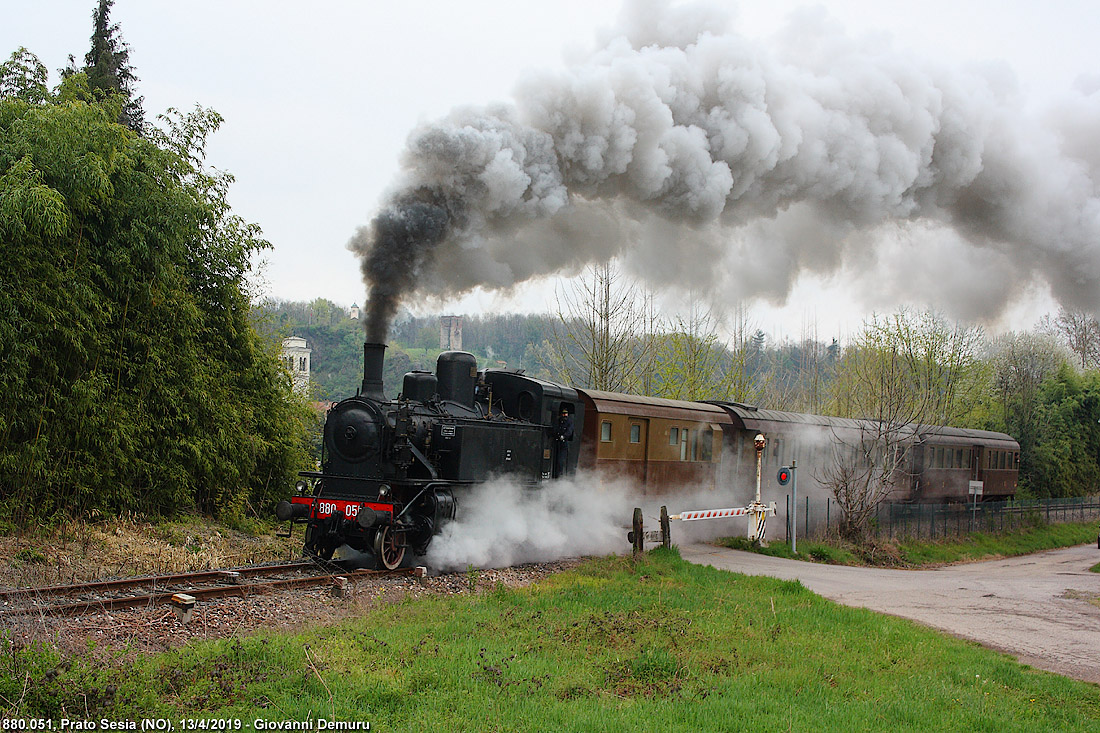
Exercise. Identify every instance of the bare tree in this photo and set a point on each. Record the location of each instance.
(600, 338)
(1080, 331)
(747, 381)
(905, 375)
(1020, 362)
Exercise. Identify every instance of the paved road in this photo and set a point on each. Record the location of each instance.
(1034, 607)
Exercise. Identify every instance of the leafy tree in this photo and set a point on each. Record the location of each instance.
(1020, 363)
(692, 362)
(1066, 459)
(24, 77)
(107, 67)
(133, 379)
(904, 375)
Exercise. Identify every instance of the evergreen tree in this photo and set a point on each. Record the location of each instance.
(107, 66)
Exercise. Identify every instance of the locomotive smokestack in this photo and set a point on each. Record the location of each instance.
(373, 354)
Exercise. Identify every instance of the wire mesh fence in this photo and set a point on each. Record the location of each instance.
(932, 521)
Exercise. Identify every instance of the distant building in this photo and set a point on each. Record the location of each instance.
(296, 357)
(355, 311)
(450, 332)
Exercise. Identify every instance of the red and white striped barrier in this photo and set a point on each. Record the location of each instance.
(756, 511)
(711, 514)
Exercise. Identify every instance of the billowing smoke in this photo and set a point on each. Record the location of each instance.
(397, 245)
(697, 156)
(501, 523)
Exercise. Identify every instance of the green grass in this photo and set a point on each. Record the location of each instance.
(914, 553)
(983, 545)
(831, 553)
(616, 645)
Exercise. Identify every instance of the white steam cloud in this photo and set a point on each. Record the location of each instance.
(701, 158)
(501, 523)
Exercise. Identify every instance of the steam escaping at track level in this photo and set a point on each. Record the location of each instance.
(502, 524)
(681, 147)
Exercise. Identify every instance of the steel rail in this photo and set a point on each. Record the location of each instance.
(154, 580)
(241, 589)
(120, 583)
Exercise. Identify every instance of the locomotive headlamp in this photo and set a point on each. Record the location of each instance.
(384, 491)
(301, 487)
(759, 442)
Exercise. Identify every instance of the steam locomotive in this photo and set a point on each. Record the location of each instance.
(392, 469)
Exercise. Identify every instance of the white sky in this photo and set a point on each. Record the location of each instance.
(318, 98)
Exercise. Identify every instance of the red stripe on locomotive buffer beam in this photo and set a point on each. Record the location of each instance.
(325, 507)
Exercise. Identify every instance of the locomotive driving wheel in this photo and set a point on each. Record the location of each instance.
(388, 548)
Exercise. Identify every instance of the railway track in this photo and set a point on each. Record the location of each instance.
(113, 595)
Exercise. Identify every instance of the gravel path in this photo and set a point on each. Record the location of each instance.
(156, 628)
(1039, 608)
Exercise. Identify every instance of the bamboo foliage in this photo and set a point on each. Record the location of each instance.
(133, 380)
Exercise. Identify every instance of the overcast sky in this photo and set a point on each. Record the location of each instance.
(319, 98)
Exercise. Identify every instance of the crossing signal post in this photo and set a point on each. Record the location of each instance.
(785, 475)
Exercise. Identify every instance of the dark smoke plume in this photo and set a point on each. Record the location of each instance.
(396, 246)
(702, 159)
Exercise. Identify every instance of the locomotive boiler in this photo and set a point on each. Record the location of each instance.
(393, 472)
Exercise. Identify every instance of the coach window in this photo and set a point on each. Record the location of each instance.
(706, 445)
(635, 433)
(674, 436)
(684, 444)
(605, 432)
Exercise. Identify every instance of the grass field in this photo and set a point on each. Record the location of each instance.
(652, 643)
(912, 553)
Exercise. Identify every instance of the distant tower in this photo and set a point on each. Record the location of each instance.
(450, 332)
(355, 311)
(296, 357)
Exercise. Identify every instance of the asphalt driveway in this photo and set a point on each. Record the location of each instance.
(1035, 607)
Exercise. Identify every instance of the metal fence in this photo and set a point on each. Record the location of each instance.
(930, 521)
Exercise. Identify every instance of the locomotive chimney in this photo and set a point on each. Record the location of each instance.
(373, 354)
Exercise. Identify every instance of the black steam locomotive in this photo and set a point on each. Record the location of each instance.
(393, 471)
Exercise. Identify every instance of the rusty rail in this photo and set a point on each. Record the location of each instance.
(148, 599)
